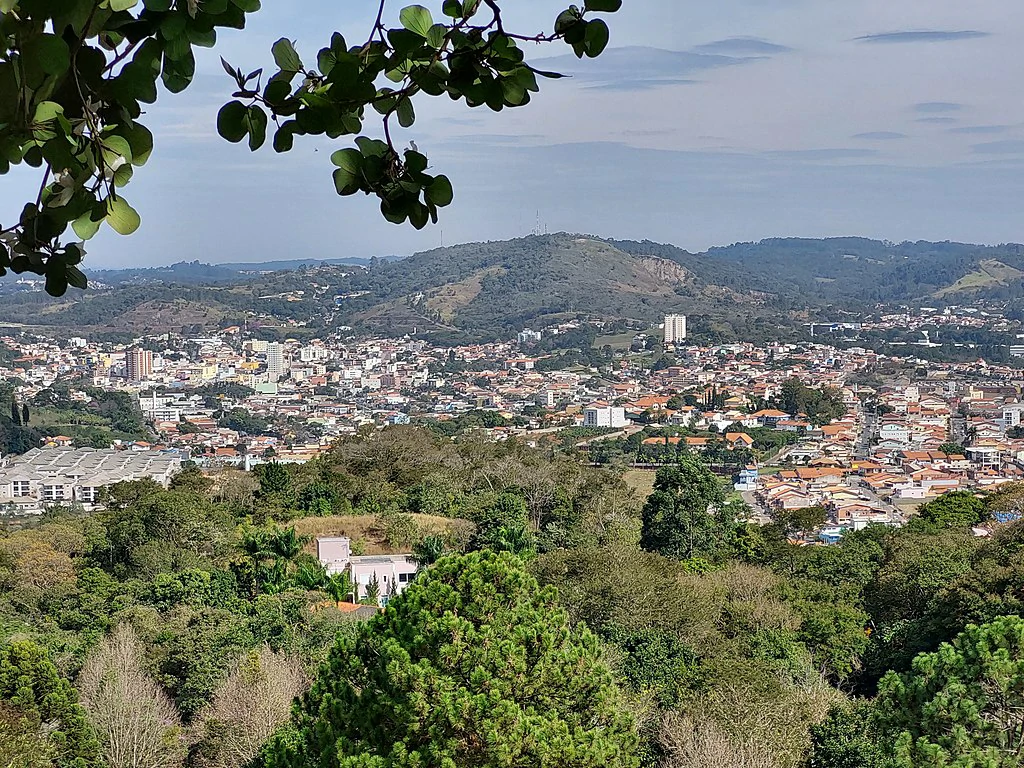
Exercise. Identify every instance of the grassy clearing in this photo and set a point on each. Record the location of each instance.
(640, 480)
(619, 341)
(363, 528)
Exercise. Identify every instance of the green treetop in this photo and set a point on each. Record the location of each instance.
(473, 665)
(43, 704)
(962, 705)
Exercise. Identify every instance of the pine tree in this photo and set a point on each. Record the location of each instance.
(15, 412)
(25, 415)
(473, 665)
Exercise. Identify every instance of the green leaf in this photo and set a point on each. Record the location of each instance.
(140, 139)
(285, 56)
(405, 112)
(277, 91)
(284, 138)
(436, 35)
(76, 278)
(122, 175)
(348, 176)
(122, 5)
(85, 227)
(121, 217)
(596, 38)
(47, 111)
(157, 6)
(256, 120)
(115, 147)
(50, 53)
(56, 282)
(248, 6)
(416, 19)
(604, 6)
(349, 160)
(440, 192)
(204, 38)
(231, 121)
(452, 8)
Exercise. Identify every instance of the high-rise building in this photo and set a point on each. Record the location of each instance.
(675, 329)
(276, 363)
(138, 364)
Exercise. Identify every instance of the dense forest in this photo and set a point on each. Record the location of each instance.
(557, 619)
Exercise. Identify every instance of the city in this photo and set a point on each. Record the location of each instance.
(230, 400)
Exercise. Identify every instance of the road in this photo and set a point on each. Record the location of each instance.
(869, 419)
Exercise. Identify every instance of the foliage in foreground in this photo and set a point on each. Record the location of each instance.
(474, 665)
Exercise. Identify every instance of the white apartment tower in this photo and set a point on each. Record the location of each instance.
(276, 364)
(675, 329)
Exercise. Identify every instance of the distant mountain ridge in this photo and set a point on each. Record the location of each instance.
(492, 289)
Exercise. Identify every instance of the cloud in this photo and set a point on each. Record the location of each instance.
(638, 85)
(923, 36)
(743, 46)
(825, 154)
(938, 106)
(880, 136)
(936, 120)
(638, 68)
(980, 129)
(1007, 147)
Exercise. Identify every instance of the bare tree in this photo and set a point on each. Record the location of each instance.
(691, 744)
(253, 702)
(137, 723)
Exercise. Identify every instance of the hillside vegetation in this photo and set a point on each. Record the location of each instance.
(487, 290)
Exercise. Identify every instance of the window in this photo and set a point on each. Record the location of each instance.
(405, 578)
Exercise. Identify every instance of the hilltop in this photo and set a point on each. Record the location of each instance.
(488, 290)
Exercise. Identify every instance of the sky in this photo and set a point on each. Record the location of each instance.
(703, 124)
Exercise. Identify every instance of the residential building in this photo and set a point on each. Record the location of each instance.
(675, 329)
(138, 364)
(608, 416)
(277, 365)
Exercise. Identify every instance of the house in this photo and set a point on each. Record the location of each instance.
(391, 573)
(738, 440)
(746, 479)
(770, 417)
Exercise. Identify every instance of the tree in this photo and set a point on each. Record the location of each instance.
(15, 413)
(956, 509)
(678, 520)
(962, 705)
(38, 701)
(254, 700)
(428, 550)
(138, 725)
(952, 449)
(73, 77)
(802, 520)
(846, 739)
(473, 665)
(22, 745)
(26, 417)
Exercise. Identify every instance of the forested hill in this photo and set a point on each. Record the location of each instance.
(845, 268)
(492, 289)
(500, 286)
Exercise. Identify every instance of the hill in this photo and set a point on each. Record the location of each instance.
(503, 286)
(492, 289)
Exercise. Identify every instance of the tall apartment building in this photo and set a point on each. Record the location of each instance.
(138, 364)
(277, 365)
(675, 329)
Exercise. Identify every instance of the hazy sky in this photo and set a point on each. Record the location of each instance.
(703, 124)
